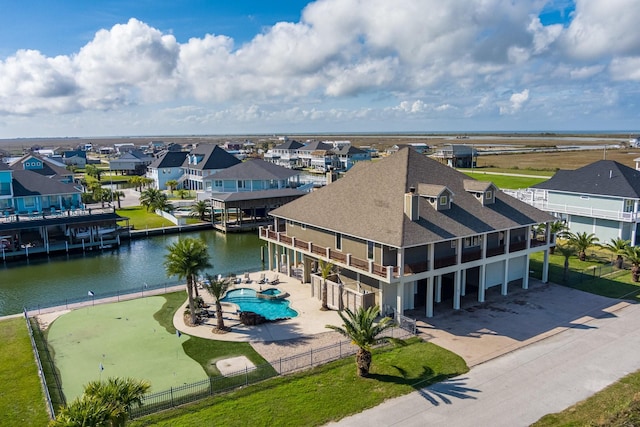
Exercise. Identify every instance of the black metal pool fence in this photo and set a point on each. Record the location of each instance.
(212, 386)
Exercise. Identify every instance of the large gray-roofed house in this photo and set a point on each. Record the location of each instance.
(203, 161)
(601, 198)
(378, 228)
(254, 187)
(166, 167)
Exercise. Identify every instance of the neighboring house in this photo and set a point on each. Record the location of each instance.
(285, 154)
(75, 157)
(255, 188)
(457, 155)
(317, 155)
(166, 167)
(601, 198)
(408, 233)
(124, 147)
(203, 161)
(350, 155)
(44, 166)
(132, 162)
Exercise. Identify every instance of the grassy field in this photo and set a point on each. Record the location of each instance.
(505, 181)
(21, 398)
(140, 219)
(137, 339)
(616, 406)
(326, 393)
(554, 161)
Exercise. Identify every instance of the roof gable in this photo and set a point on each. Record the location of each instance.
(256, 169)
(211, 157)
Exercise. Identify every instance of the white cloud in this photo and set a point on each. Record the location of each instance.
(368, 61)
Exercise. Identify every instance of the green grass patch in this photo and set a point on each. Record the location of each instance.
(536, 172)
(505, 181)
(140, 219)
(595, 275)
(21, 398)
(323, 394)
(204, 351)
(616, 406)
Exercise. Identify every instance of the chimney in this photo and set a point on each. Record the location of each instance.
(411, 204)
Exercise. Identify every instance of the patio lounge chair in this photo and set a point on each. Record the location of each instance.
(263, 278)
(247, 279)
(275, 281)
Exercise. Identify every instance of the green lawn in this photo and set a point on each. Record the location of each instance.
(140, 219)
(136, 339)
(616, 406)
(505, 181)
(323, 394)
(21, 398)
(595, 275)
(514, 170)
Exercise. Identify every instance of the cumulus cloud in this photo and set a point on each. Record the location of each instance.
(453, 57)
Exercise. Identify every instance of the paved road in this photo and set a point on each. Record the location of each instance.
(519, 388)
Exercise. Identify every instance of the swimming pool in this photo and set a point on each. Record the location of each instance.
(271, 309)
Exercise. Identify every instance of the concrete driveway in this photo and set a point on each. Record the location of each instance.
(543, 350)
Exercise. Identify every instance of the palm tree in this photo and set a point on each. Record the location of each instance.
(617, 247)
(558, 229)
(136, 181)
(633, 256)
(162, 203)
(200, 209)
(103, 403)
(183, 193)
(325, 271)
(118, 194)
(149, 198)
(567, 251)
(361, 329)
(172, 184)
(217, 288)
(582, 242)
(186, 258)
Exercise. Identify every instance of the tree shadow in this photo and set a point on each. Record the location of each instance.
(444, 391)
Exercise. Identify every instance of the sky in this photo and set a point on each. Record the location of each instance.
(209, 67)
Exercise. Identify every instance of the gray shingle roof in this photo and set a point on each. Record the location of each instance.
(369, 203)
(169, 159)
(604, 177)
(30, 183)
(316, 146)
(49, 167)
(214, 158)
(256, 169)
(255, 195)
(288, 145)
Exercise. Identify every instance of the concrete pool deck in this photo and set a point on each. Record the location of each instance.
(309, 322)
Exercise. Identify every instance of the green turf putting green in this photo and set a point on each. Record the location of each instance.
(126, 341)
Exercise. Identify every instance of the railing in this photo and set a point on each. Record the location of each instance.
(318, 250)
(187, 393)
(444, 261)
(529, 198)
(337, 256)
(517, 246)
(499, 250)
(471, 255)
(286, 239)
(416, 267)
(358, 263)
(8, 217)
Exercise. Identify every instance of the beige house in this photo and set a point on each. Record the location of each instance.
(413, 232)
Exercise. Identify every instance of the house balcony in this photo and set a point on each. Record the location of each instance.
(585, 211)
(339, 258)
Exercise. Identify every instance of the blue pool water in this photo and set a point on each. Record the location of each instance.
(246, 300)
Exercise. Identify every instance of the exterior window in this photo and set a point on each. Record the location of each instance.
(240, 184)
(303, 226)
(628, 205)
(29, 202)
(470, 242)
(370, 247)
(489, 195)
(443, 200)
(339, 241)
(454, 243)
(218, 183)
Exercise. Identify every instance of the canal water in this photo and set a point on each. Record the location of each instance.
(46, 281)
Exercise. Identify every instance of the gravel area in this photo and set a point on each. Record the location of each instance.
(275, 350)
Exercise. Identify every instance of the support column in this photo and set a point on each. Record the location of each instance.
(482, 284)
(289, 269)
(270, 255)
(429, 311)
(278, 258)
(438, 288)
(463, 289)
(456, 290)
(525, 279)
(505, 282)
(399, 297)
(545, 266)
